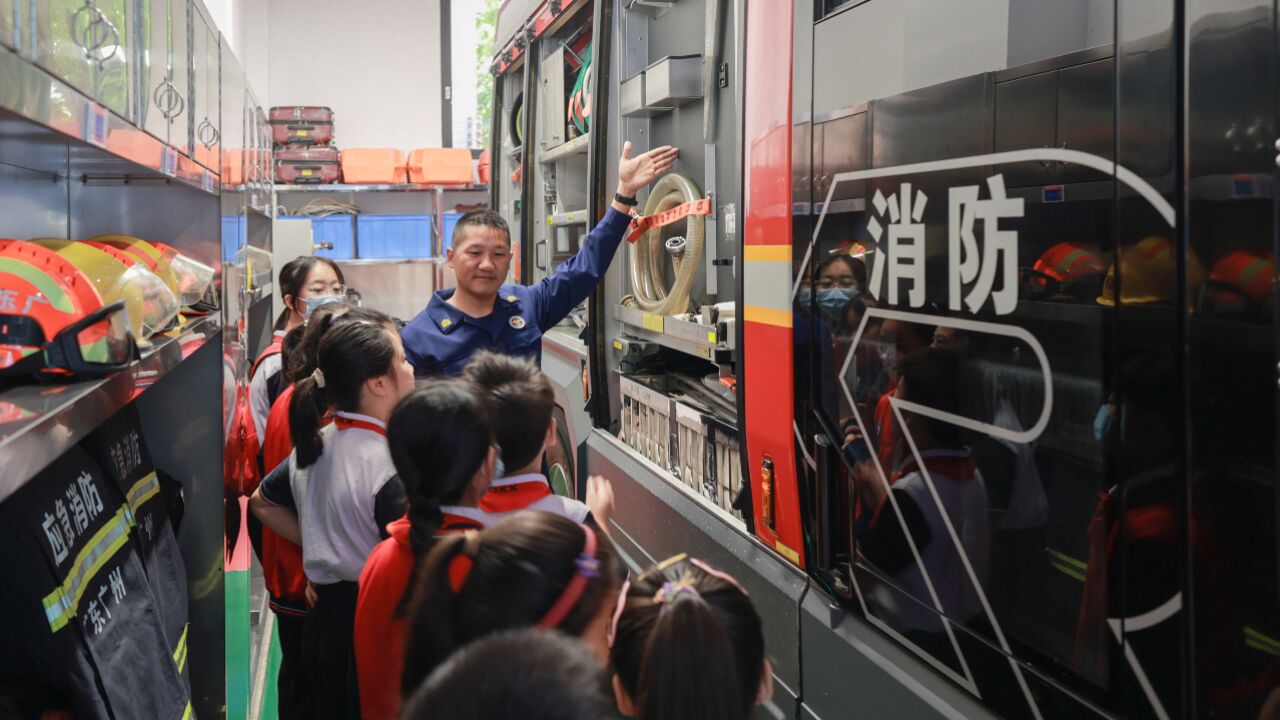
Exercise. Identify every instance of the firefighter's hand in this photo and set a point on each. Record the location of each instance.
(600, 500)
(635, 174)
(310, 595)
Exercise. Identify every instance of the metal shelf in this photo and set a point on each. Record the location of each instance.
(52, 418)
(115, 150)
(576, 146)
(399, 187)
(715, 343)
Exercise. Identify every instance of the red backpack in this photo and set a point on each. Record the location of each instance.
(242, 457)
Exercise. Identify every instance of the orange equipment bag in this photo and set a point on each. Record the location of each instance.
(373, 166)
(440, 166)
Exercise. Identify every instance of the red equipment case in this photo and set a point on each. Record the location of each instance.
(304, 166)
(301, 125)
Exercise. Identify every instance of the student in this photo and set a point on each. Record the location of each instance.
(686, 642)
(338, 490)
(442, 445)
(483, 312)
(515, 675)
(533, 569)
(522, 402)
(306, 283)
(953, 486)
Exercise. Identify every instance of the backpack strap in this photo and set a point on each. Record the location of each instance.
(275, 348)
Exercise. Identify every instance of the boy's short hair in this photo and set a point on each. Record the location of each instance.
(527, 674)
(931, 378)
(522, 401)
(483, 217)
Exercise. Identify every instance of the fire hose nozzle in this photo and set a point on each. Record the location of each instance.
(675, 246)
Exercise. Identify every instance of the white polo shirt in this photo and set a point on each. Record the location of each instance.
(340, 497)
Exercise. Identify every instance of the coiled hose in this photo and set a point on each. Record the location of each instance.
(648, 279)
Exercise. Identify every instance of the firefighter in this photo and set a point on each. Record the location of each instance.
(485, 313)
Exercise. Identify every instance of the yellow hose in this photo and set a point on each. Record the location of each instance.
(648, 283)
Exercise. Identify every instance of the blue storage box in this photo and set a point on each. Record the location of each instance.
(234, 236)
(450, 222)
(394, 236)
(338, 230)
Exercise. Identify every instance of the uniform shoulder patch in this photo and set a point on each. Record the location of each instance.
(516, 322)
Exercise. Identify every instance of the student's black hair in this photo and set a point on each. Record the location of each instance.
(516, 675)
(522, 400)
(440, 435)
(302, 361)
(293, 278)
(689, 644)
(518, 569)
(349, 354)
(931, 378)
(484, 217)
(856, 266)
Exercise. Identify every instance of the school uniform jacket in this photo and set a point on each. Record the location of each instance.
(530, 492)
(380, 630)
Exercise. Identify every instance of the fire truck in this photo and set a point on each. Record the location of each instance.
(951, 334)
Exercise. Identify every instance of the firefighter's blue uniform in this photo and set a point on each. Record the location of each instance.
(441, 339)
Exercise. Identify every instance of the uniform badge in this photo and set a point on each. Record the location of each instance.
(516, 322)
(511, 298)
(445, 323)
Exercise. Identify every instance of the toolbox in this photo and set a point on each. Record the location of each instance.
(301, 125)
(373, 166)
(305, 166)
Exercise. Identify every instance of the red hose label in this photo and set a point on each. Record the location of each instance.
(642, 225)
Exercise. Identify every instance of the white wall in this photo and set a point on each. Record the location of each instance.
(375, 62)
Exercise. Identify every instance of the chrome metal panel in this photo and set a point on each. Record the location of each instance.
(190, 222)
(180, 73)
(231, 123)
(511, 19)
(551, 120)
(1026, 117)
(1086, 115)
(400, 288)
(180, 418)
(204, 115)
(655, 520)
(841, 145)
(952, 119)
(847, 664)
(33, 177)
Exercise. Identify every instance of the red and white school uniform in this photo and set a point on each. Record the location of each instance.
(531, 491)
(380, 629)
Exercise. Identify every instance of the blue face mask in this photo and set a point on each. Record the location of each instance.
(499, 469)
(1102, 424)
(316, 301)
(804, 297)
(833, 301)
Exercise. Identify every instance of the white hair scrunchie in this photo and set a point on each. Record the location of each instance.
(318, 376)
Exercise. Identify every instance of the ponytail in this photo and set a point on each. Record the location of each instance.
(349, 354)
(509, 576)
(432, 635)
(688, 643)
(688, 669)
(439, 437)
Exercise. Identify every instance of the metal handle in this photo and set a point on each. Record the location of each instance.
(540, 254)
(207, 134)
(97, 33)
(168, 100)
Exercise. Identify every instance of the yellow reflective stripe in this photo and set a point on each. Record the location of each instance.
(60, 604)
(767, 253)
(1067, 565)
(186, 714)
(1263, 643)
(767, 316)
(143, 490)
(180, 653)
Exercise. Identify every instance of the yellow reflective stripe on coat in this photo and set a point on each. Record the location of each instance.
(61, 604)
(180, 652)
(143, 490)
(186, 714)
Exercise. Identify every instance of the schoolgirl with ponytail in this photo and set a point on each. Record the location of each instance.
(533, 569)
(686, 642)
(338, 490)
(442, 445)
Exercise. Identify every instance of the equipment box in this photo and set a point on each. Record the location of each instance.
(373, 166)
(301, 125)
(333, 236)
(440, 166)
(305, 166)
(394, 236)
